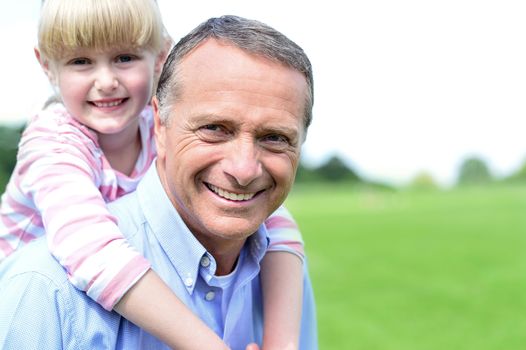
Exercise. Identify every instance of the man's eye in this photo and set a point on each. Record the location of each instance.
(211, 127)
(275, 138)
(276, 142)
(213, 133)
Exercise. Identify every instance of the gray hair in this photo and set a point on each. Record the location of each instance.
(249, 35)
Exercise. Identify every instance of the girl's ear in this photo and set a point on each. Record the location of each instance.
(159, 129)
(44, 63)
(163, 54)
(159, 62)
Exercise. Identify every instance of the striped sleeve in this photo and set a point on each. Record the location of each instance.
(63, 177)
(284, 233)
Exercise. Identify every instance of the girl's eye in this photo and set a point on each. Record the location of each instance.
(79, 61)
(125, 58)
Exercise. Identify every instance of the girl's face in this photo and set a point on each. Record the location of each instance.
(106, 90)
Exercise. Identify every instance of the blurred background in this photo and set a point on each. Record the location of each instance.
(412, 189)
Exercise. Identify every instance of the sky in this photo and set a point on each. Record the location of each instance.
(401, 87)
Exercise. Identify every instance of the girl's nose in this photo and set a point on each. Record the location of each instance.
(106, 80)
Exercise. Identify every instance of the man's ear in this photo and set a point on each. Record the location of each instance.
(159, 130)
(44, 63)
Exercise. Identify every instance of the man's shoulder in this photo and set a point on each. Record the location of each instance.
(127, 210)
(34, 261)
(45, 310)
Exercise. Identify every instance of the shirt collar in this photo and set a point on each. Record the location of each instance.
(173, 234)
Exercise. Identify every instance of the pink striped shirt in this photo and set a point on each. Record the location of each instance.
(60, 186)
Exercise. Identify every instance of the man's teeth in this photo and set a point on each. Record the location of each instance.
(107, 104)
(232, 196)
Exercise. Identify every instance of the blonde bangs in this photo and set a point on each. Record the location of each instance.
(67, 25)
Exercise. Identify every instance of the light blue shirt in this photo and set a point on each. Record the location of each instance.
(40, 309)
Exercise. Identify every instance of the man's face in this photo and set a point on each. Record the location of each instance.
(228, 156)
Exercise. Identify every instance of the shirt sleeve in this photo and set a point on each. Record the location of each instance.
(62, 177)
(284, 233)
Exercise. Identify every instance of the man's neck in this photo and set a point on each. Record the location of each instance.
(226, 257)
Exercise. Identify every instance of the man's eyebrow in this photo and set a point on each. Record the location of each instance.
(292, 133)
(207, 118)
(210, 117)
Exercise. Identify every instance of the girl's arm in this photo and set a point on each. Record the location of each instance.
(282, 283)
(151, 305)
(84, 238)
(282, 280)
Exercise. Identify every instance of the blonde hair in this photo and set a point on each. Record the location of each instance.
(66, 25)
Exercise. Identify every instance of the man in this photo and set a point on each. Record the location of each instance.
(233, 107)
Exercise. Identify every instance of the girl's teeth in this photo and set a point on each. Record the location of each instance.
(108, 104)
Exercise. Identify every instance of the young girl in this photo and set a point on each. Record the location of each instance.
(94, 146)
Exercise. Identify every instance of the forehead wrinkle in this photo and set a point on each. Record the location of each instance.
(229, 112)
(226, 77)
(263, 100)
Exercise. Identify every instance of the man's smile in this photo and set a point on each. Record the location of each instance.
(230, 195)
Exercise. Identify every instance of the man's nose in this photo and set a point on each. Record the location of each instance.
(243, 163)
(106, 80)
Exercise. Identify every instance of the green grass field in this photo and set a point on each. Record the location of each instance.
(416, 270)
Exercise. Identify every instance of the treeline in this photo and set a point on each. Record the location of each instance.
(334, 170)
(473, 171)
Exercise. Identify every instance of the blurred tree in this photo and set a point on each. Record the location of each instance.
(423, 181)
(307, 174)
(9, 137)
(519, 175)
(335, 170)
(474, 170)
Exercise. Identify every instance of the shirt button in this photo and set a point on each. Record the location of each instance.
(205, 261)
(210, 296)
(188, 281)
